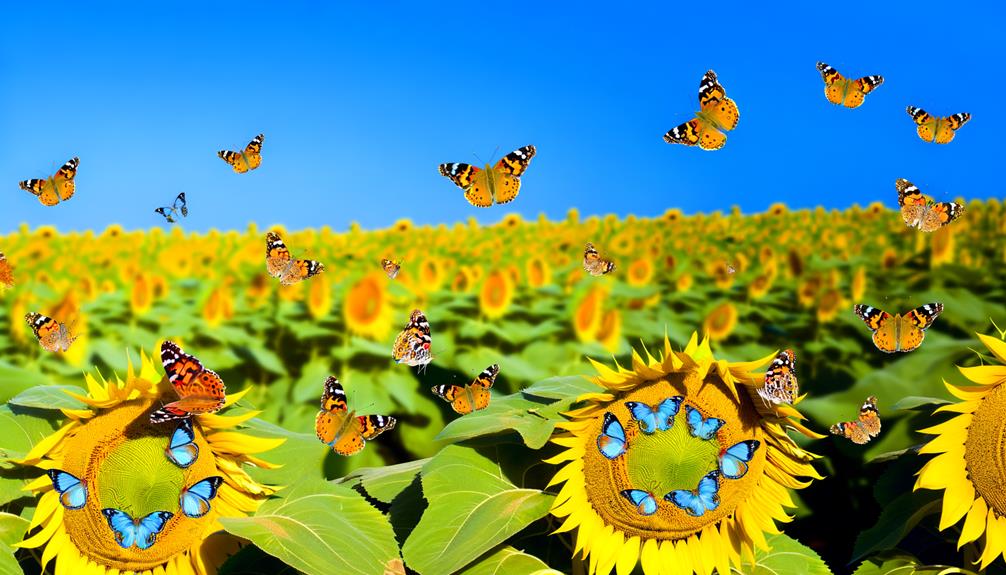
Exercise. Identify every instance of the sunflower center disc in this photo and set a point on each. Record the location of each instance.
(673, 459)
(985, 449)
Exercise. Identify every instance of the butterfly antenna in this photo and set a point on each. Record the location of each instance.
(478, 158)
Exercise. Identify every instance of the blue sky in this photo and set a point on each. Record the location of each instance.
(360, 102)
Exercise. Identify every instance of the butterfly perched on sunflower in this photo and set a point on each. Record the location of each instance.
(846, 91)
(280, 264)
(899, 332)
(199, 390)
(247, 159)
(178, 208)
(780, 384)
(499, 184)
(921, 212)
(705, 497)
(52, 335)
(344, 431)
(611, 441)
(194, 500)
(717, 114)
(657, 418)
(6, 272)
(391, 268)
(182, 449)
(412, 345)
(594, 264)
(58, 187)
(936, 129)
(471, 397)
(72, 491)
(644, 501)
(142, 531)
(702, 427)
(866, 426)
(734, 459)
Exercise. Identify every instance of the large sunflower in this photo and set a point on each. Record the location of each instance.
(601, 489)
(120, 458)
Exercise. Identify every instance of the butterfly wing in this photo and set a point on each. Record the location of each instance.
(253, 152)
(390, 268)
(704, 428)
(643, 500)
(63, 180)
(200, 390)
(666, 411)
(858, 89)
(181, 205)
(946, 127)
(195, 500)
(834, 83)
(869, 416)
(300, 271)
(594, 264)
(704, 498)
(478, 390)
(373, 425)
(182, 450)
(122, 526)
(277, 256)
(912, 202)
(781, 385)
(939, 214)
(914, 325)
(6, 272)
(412, 346)
(46, 330)
(148, 528)
(471, 180)
(611, 441)
(734, 460)
(644, 415)
(717, 113)
(72, 492)
(709, 490)
(43, 189)
(883, 326)
(168, 214)
(508, 172)
(686, 134)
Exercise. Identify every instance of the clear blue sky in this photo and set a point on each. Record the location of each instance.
(360, 103)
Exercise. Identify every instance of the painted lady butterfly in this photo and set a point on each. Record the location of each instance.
(344, 431)
(391, 268)
(59, 187)
(921, 212)
(412, 346)
(281, 265)
(717, 112)
(780, 379)
(594, 264)
(939, 130)
(500, 183)
(52, 335)
(248, 159)
(841, 90)
(471, 397)
(199, 390)
(6, 272)
(899, 332)
(864, 428)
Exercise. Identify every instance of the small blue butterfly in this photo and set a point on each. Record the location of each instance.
(195, 500)
(706, 496)
(699, 427)
(143, 532)
(662, 418)
(734, 459)
(182, 450)
(611, 441)
(643, 500)
(72, 491)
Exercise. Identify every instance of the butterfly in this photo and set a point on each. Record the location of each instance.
(483, 186)
(921, 212)
(72, 491)
(195, 499)
(706, 496)
(199, 390)
(717, 112)
(59, 187)
(249, 159)
(864, 428)
(280, 264)
(734, 459)
(344, 431)
(899, 332)
(472, 397)
(780, 379)
(593, 264)
(391, 268)
(182, 449)
(412, 346)
(611, 441)
(143, 531)
(939, 130)
(643, 500)
(661, 418)
(52, 335)
(841, 90)
(171, 212)
(701, 427)
(6, 272)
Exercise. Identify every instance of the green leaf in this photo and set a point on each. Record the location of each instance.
(913, 402)
(14, 380)
(301, 455)
(50, 397)
(20, 429)
(901, 563)
(533, 420)
(507, 560)
(12, 529)
(385, 483)
(896, 520)
(787, 557)
(461, 524)
(565, 387)
(320, 528)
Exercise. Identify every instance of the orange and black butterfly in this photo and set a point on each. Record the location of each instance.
(898, 332)
(199, 390)
(412, 345)
(781, 385)
(500, 183)
(934, 129)
(594, 264)
(716, 113)
(342, 430)
(58, 187)
(391, 268)
(52, 335)
(471, 397)
(865, 428)
(247, 159)
(280, 264)
(918, 211)
(845, 91)
(6, 272)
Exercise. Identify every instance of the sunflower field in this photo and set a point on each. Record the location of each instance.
(700, 303)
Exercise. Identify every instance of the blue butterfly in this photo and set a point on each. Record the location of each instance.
(650, 420)
(611, 441)
(143, 532)
(706, 496)
(643, 500)
(734, 460)
(700, 427)
(195, 500)
(182, 450)
(72, 491)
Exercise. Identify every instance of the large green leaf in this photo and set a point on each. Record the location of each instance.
(300, 456)
(321, 528)
(50, 397)
(564, 387)
(472, 508)
(12, 528)
(20, 429)
(901, 563)
(787, 557)
(385, 483)
(14, 380)
(508, 561)
(533, 420)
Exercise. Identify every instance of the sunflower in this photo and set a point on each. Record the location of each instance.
(219, 306)
(609, 332)
(319, 296)
(684, 282)
(943, 246)
(828, 306)
(120, 457)
(721, 321)
(366, 308)
(496, 294)
(538, 272)
(760, 286)
(640, 272)
(858, 287)
(142, 294)
(614, 532)
(587, 314)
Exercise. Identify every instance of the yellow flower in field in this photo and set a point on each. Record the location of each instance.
(513, 271)
(672, 215)
(858, 284)
(402, 225)
(640, 272)
(142, 295)
(795, 262)
(889, 259)
(969, 465)
(778, 209)
(219, 306)
(806, 291)
(366, 308)
(943, 246)
(829, 305)
(258, 290)
(18, 308)
(319, 296)
(496, 294)
(462, 280)
(721, 274)
(111, 446)
(431, 275)
(612, 531)
(539, 274)
(587, 314)
(510, 221)
(159, 285)
(684, 282)
(721, 321)
(609, 332)
(760, 286)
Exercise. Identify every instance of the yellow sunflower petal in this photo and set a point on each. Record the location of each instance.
(985, 374)
(995, 345)
(974, 525)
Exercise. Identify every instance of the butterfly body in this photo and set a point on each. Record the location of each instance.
(199, 390)
(780, 379)
(56, 188)
(499, 183)
(594, 264)
(846, 91)
(706, 496)
(643, 500)
(717, 114)
(659, 418)
(611, 441)
(52, 335)
(412, 345)
(734, 459)
(899, 332)
(194, 500)
(72, 491)
(919, 211)
(142, 532)
(341, 429)
(472, 397)
(391, 268)
(182, 449)
(247, 159)
(280, 264)
(935, 129)
(701, 427)
(866, 426)
(178, 208)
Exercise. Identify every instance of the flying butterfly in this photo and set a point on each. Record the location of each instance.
(865, 428)
(178, 208)
(72, 491)
(472, 397)
(247, 159)
(653, 419)
(391, 268)
(594, 264)
(611, 441)
(934, 129)
(412, 345)
(194, 500)
(199, 390)
(500, 183)
(6, 272)
(342, 430)
(899, 332)
(780, 384)
(52, 335)
(734, 459)
(643, 500)
(58, 187)
(706, 496)
(182, 449)
(142, 532)
(922, 212)
(288, 269)
(717, 114)
(702, 427)
(847, 92)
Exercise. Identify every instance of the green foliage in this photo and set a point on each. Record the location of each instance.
(12, 528)
(787, 557)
